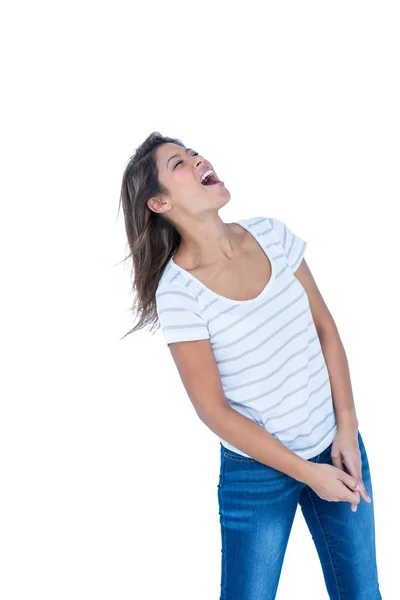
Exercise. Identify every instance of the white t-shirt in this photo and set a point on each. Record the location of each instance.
(267, 349)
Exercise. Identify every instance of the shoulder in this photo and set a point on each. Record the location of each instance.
(262, 221)
(277, 231)
(176, 290)
(279, 228)
(263, 225)
(178, 309)
(293, 245)
(254, 221)
(172, 281)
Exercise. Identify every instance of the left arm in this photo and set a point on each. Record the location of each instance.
(334, 353)
(345, 447)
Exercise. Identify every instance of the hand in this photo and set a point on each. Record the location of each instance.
(345, 450)
(332, 484)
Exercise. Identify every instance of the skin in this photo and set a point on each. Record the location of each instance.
(209, 243)
(192, 207)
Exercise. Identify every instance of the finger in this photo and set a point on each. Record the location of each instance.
(354, 504)
(363, 491)
(349, 481)
(337, 462)
(352, 497)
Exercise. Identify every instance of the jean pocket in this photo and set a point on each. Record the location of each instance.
(235, 456)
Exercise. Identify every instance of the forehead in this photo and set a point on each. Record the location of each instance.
(165, 151)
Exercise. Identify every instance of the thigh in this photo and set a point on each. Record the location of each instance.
(345, 541)
(257, 505)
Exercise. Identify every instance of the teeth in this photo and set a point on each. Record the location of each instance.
(206, 174)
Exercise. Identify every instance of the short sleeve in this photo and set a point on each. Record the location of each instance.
(293, 245)
(179, 315)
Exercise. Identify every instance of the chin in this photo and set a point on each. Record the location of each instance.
(223, 199)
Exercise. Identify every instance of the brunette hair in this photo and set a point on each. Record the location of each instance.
(151, 237)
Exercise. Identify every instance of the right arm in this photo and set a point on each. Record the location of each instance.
(198, 370)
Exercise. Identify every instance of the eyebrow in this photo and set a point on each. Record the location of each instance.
(175, 155)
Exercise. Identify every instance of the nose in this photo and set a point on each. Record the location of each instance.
(199, 160)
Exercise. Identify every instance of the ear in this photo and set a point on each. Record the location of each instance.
(156, 204)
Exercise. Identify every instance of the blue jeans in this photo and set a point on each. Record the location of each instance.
(257, 506)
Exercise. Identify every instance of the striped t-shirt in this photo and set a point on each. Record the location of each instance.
(267, 348)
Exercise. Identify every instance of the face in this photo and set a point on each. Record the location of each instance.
(180, 170)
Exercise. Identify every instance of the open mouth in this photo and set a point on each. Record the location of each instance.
(210, 180)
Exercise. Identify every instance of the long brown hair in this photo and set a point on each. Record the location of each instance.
(152, 239)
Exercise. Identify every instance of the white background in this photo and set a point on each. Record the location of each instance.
(108, 478)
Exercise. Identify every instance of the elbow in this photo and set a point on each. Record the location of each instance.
(215, 416)
(326, 329)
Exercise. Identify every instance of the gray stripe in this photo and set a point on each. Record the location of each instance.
(299, 256)
(291, 247)
(176, 293)
(224, 311)
(257, 327)
(316, 390)
(292, 410)
(285, 267)
(293, 391)
(174, 276)
(316, 445)
(266, 359)
(281, 255)
(172, 309)
(288, 411)
(256, 309)
(271, 390)
(213, 301)
(277, 387)
(315, 426)
(265, 232)
(188, 279)
(322, 367)
(317, 353)
(284, 236)
(260, 220)
(266, 340)
(186, 326)
(272, 244)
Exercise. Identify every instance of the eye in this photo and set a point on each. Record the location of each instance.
(179, 161)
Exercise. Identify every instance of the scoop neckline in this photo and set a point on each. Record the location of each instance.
(263, 292)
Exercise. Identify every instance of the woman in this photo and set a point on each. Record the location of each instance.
(262, 362)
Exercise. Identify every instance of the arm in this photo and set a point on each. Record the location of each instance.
(333, 350)
(198, 370)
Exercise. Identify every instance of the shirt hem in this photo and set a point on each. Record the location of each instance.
(323, 445)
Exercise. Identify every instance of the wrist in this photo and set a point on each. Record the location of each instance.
(346, 421)
(347, 425)
(307, 472)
